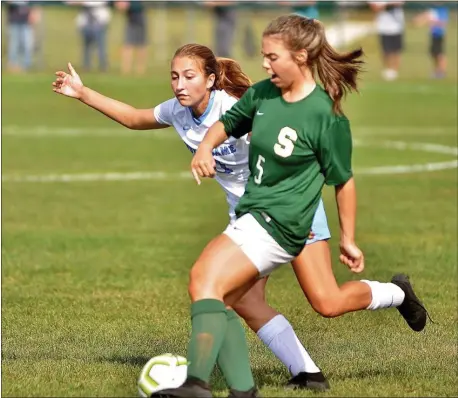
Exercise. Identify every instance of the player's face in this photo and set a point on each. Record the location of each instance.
(189, 83)
(278, 61)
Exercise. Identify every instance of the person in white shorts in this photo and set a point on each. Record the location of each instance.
(205, 88)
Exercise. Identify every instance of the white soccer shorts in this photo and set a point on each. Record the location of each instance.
(262, 250)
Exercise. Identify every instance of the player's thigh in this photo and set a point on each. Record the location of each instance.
(314, 273)
(221, 268)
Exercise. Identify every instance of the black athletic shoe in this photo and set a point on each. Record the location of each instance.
(411, 308)
(252, 393)
(192, 388)
(309, 381)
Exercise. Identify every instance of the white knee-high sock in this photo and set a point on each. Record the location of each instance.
(279, 336)
(384, 295)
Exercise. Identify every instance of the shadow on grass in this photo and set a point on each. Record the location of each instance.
(139, 360)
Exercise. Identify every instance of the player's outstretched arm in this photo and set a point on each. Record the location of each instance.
(350, 255)
(203, 164)
(71, 85)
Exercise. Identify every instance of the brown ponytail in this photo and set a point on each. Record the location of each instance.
(338, 72)
(228, 73)
(231, 78)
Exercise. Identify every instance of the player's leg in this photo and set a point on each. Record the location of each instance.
(276, 331)
(253, 307)
(314, 272)
(278, 335)
(221, 269)
(225, 270)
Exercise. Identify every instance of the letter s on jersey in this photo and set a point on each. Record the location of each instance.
(286, 139)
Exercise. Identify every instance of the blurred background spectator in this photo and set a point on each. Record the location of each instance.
(92, 22)
(308, 9)
(390, 25)
(21, 17)
(143, 35)
(135, 36)
(436, 17)
(225, 16)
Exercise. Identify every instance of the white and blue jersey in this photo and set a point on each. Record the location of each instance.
(231, 157)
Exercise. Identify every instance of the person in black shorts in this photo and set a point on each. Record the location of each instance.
(135, 39)
(436, 17)
(390, 24)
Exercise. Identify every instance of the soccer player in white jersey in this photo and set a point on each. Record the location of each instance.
(205, 88)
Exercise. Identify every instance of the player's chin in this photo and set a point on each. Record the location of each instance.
(185, 100)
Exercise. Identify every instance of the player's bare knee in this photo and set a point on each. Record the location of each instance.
(201, 286)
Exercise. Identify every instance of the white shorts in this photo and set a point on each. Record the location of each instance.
(262, 250)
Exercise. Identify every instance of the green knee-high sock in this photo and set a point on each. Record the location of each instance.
(233, 358)
(209, 324)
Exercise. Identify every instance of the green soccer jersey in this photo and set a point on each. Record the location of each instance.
(295, 149)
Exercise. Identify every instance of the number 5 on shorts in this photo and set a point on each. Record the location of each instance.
(258, 177)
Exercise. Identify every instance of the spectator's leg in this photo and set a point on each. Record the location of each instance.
(13, 46)
(100, 37)
(141, 49)
(141, 58)
(27, 45)
(127, 52)
(225, 18)
(86, 35)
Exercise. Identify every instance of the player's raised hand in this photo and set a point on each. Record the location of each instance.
(203, 164)
(352, 257)
(68, 84)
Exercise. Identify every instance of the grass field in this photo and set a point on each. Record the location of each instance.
(94, 273)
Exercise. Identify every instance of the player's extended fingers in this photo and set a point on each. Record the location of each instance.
(196, 176)
(206, 169)
(72, 70)
(61, 74)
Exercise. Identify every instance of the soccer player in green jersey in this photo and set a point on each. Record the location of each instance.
(300, 141)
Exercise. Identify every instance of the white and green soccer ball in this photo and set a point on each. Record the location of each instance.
(162, 372)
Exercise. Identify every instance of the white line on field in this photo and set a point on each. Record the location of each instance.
(161, 175)
(89, 177)
(43, 131)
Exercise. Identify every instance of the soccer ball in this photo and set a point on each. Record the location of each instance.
(162, 372)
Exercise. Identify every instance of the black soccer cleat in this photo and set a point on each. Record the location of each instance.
(251, 393)
(309, 381)
(411, 308)
(191, 388)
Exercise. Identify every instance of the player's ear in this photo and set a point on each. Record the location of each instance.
(211, 81)
(301, 57)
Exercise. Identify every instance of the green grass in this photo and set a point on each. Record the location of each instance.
(94, 274)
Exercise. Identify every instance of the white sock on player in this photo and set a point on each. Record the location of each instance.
(279, 336)
(384, 295)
